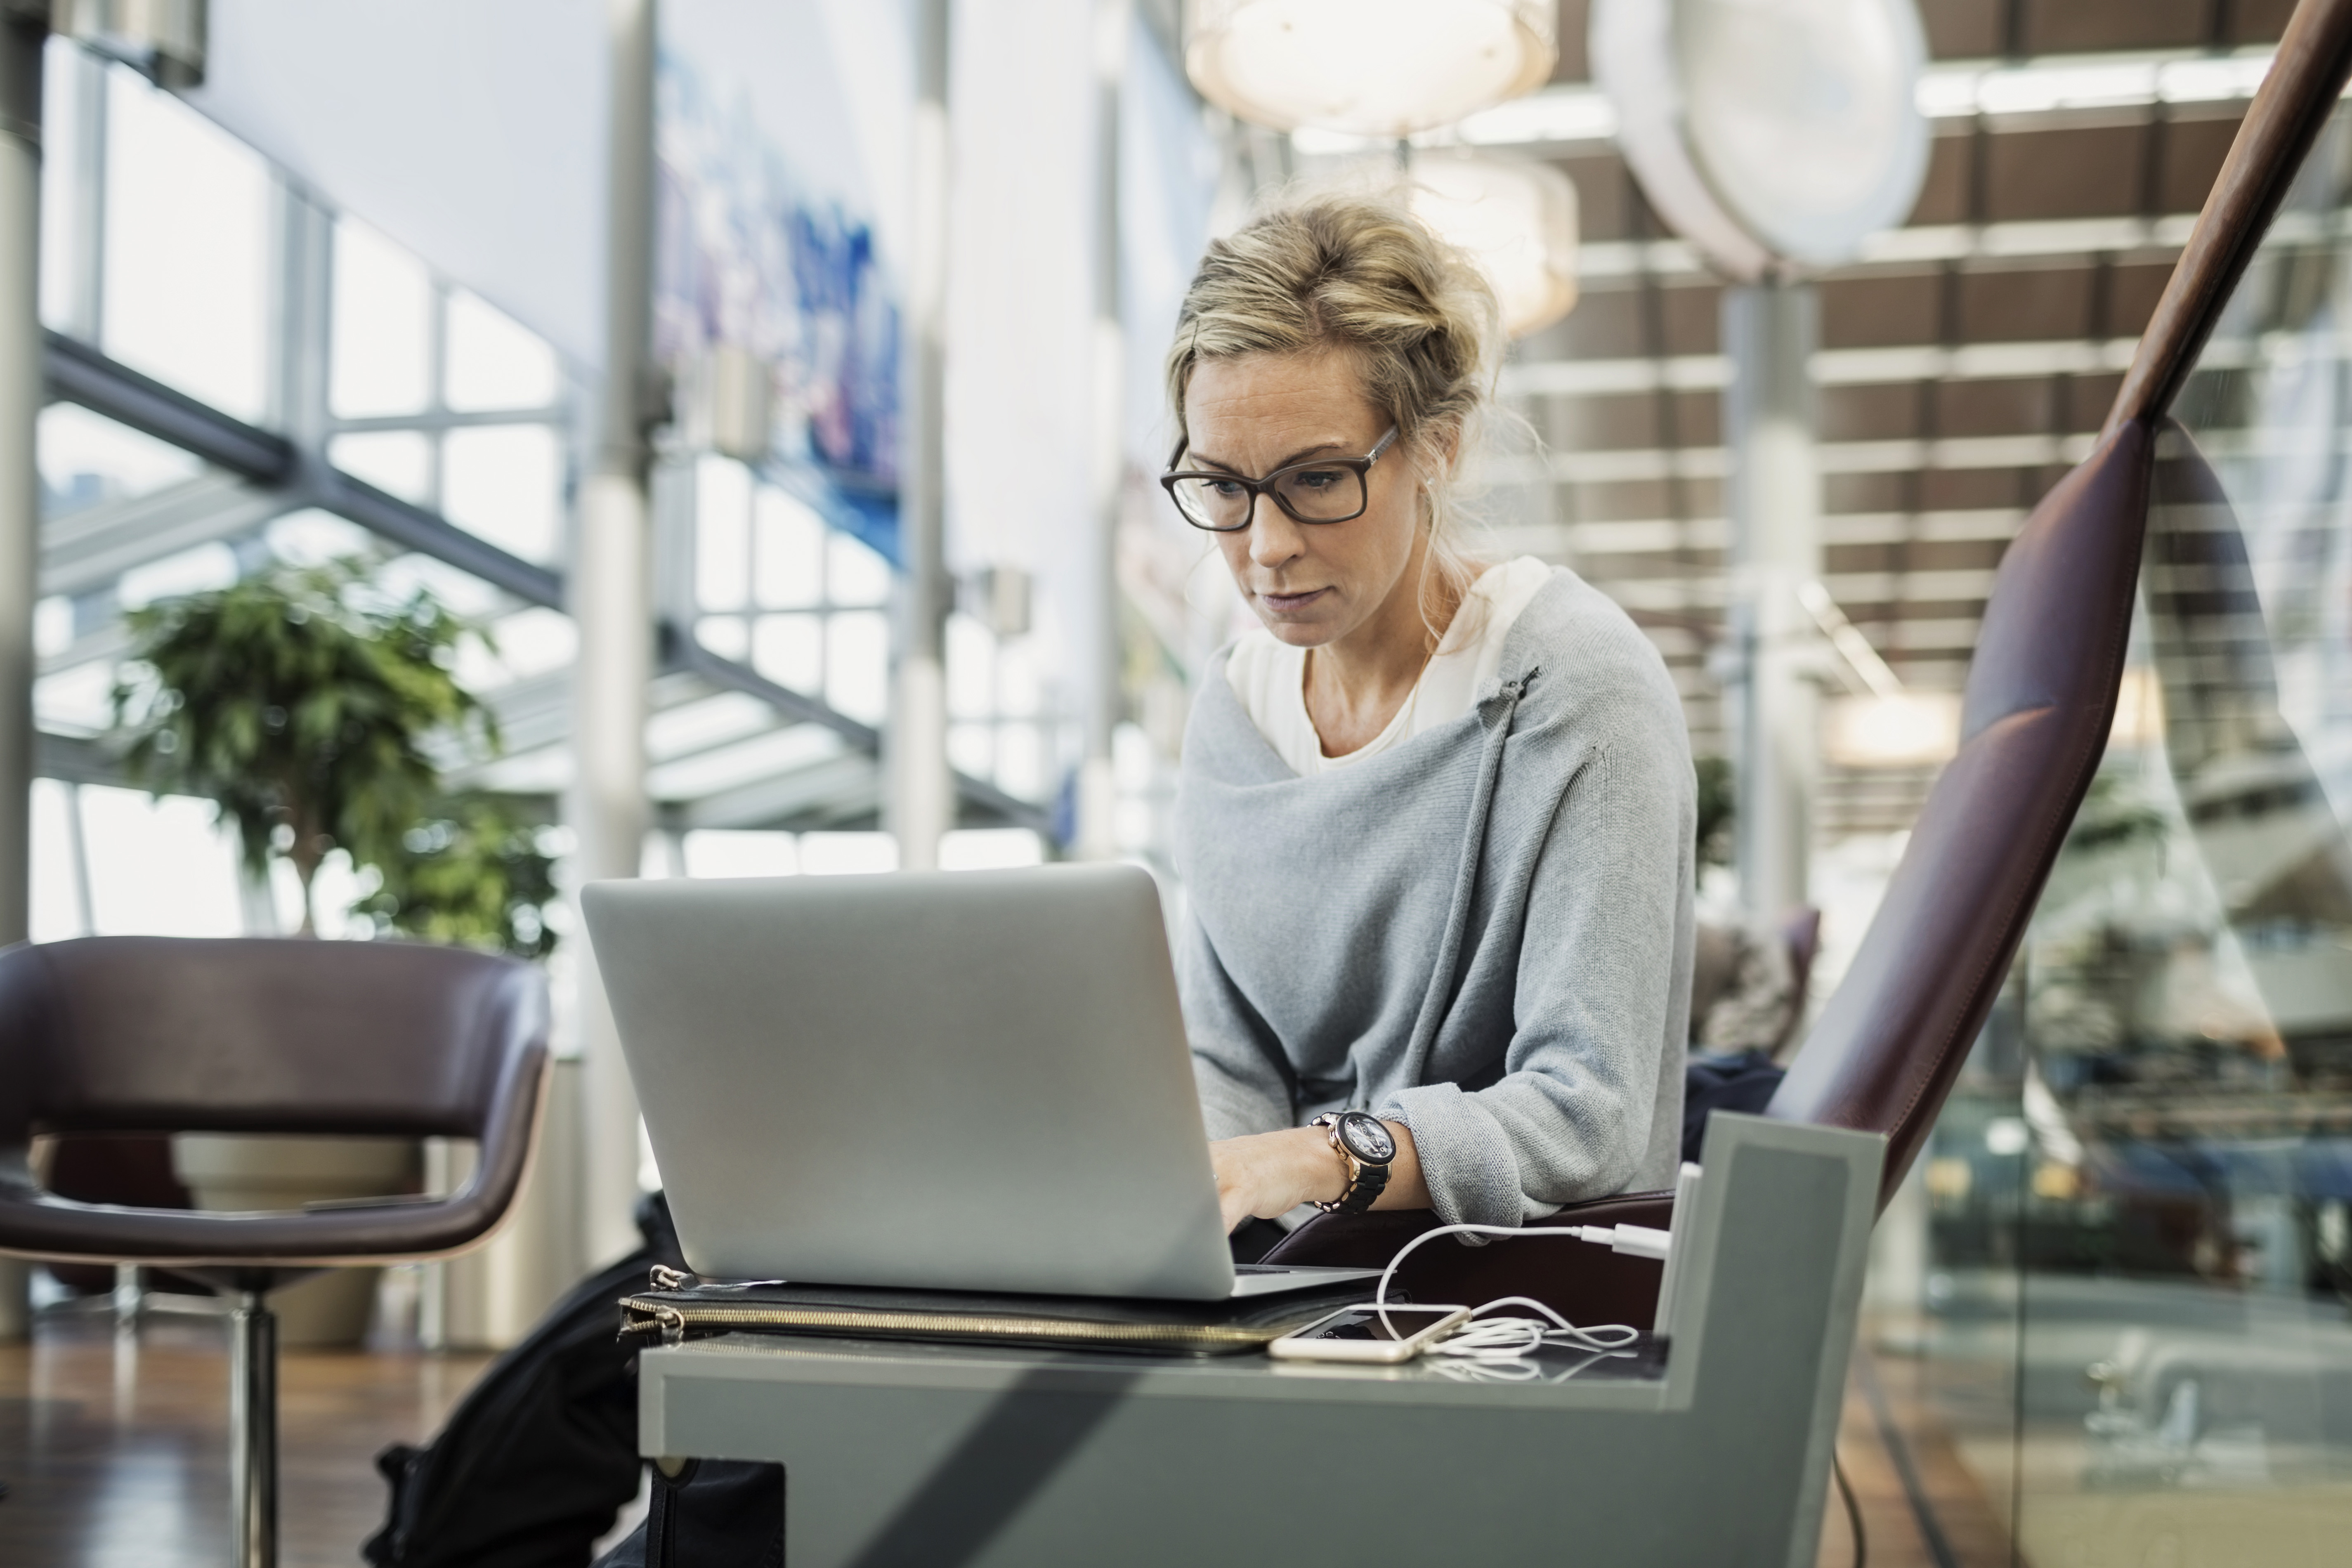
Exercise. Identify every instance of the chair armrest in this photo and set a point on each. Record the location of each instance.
(38, 1224)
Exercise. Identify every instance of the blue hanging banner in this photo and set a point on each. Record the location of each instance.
(770, 184)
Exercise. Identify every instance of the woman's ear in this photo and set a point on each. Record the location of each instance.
(1442, 444)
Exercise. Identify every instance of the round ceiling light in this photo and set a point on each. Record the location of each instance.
(1770, 133)
(1370, 68)
(1515, 218)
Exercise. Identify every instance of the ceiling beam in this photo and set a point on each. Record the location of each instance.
(1831, 367)
(77, 373)
(1621, 465)
(2137, 85)
(87, 549)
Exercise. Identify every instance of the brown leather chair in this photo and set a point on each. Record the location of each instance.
(2040, 700)
(156, 1035)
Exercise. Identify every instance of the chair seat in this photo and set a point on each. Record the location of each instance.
(38, 1224)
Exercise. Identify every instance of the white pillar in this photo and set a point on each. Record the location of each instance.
(1098, 799)
(20, 498)
(919, 803)
(610, 600)
(1770, 331)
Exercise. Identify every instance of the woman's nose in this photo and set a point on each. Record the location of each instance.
(1274, 538)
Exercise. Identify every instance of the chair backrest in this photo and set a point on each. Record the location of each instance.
(2040, 698)
(158, 1034)
(1800, 938)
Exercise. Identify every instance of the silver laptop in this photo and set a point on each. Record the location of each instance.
(972, 1080)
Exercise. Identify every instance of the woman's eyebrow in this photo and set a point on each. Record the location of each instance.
(1300, 456)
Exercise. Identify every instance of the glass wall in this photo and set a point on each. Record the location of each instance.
(2140, 1263)
(176, 250)
(281, 311)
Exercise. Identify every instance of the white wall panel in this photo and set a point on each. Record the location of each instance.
(471, 133)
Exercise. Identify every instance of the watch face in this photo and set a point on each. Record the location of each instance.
(1368, 1138)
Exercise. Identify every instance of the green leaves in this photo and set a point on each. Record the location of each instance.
(472, 873)
(1719, 794)
(304, 702)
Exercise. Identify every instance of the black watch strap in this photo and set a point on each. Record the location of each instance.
(1369, 1182)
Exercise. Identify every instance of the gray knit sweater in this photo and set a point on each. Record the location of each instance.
(1483, 934)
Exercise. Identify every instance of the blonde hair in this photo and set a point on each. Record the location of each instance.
(1355, 271)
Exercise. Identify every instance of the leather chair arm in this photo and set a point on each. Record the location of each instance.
(37, 1224)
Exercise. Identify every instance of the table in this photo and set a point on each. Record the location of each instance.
(1711, 1443)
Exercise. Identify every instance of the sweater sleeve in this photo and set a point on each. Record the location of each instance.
(1570, 1117)
(1244, 1082)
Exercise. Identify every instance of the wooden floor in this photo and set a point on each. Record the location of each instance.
(1921, 1507)
(112, 1449)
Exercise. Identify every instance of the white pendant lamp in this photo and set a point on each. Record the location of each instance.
(1775, 135)
(1370, 68)
(1892, 730)
(1517, 219)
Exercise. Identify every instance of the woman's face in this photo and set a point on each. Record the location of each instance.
(1311, 584)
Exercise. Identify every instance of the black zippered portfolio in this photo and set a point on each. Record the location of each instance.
(679, 1307)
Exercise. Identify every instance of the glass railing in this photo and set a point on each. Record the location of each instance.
(2135, 1316)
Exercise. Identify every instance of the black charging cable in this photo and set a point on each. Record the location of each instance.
(1853, 1513)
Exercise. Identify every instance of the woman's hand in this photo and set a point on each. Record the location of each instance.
(1270, 1173)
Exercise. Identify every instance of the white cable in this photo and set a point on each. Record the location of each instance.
(1507, 1342)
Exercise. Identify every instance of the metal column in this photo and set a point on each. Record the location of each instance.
(610, 600)
(1770, 331)
(920, 801)
(1097, 801)
(22, 29)
(253, 1431)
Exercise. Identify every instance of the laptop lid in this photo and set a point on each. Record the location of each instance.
(968, 1080)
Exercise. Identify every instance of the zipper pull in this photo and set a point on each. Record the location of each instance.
(667, 1278)
(672, 1322)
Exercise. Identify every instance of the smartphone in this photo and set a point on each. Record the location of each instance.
(1359, 1334)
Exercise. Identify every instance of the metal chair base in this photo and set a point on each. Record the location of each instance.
(253, 1432)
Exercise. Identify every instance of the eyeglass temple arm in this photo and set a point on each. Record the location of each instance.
(1373, 456)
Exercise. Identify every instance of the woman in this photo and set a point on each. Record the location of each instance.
(1435, 819)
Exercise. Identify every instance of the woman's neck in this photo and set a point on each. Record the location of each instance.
(1356, 684)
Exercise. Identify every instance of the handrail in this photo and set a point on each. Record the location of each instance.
(2305, 81)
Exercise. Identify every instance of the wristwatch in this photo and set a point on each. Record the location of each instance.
(1367, 1145)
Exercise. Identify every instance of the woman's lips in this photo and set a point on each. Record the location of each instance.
(1283, 603)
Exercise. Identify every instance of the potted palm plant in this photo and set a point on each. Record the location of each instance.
(302, 701)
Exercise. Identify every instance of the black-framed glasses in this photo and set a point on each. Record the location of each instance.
(1325, 489)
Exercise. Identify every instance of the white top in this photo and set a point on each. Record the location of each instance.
(1270, 676)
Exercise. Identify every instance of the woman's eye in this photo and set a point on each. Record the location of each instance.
(1224, 489)
(1317, 478)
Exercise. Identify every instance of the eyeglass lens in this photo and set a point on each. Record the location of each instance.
(1310, 493)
